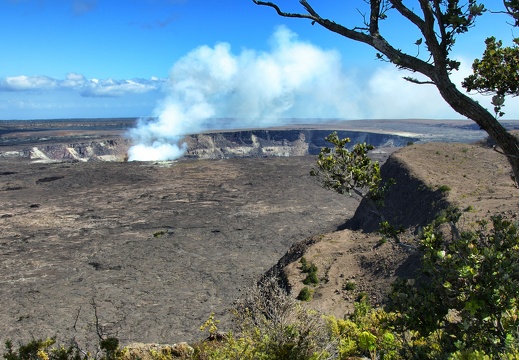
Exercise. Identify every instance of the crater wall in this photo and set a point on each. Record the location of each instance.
(217, 145)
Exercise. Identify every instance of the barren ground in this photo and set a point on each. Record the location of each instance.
(157, 246)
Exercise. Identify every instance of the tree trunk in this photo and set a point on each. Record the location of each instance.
(437, 70)
(466, 106)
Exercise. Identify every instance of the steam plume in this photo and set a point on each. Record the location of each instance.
(250, 89)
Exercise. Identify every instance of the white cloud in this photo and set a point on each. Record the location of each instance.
(74, 80)
(78, 82)
(24, 83)
(117, 88)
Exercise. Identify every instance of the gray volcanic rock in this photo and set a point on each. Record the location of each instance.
(157, 246)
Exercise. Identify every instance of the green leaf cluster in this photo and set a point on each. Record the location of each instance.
(346, 171)
(364, 333)
(496, 72)
(305, 294)
(41, 350)
(311, 270)
(455, 17)
(467, 295)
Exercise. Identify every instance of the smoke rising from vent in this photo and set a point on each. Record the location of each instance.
(213, 89)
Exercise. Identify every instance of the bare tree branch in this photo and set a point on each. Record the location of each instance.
(282, 13)
(416, 81)
(397, 57)
(408, 14)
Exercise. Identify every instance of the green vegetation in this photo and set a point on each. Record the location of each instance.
(466, 298)
(159, 233)
(311, 279)
(270, 324)
(311, 270)
(348, 171)
(351, 171)
(349, 286)
(305, 294)
(108, 349)
(444, 188)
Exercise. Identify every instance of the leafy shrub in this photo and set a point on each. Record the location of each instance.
(467, 297)
(304, 264)
(159, 233)
(364, 333)
(47, 350)
(311, 270)
(349, 286)
(444, 188)
(311, 279)
(40, 350)
(305, 294)
(270, 324)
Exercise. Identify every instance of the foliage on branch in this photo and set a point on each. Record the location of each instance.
(496, 72)
(348, 171)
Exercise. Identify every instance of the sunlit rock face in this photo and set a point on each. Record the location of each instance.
(267, 143)
(105, 150)
(220, 145)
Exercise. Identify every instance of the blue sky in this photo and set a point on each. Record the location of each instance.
(108, 58)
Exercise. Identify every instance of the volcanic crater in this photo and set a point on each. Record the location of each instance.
(156, 247)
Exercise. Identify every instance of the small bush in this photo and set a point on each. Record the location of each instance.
(349, 286)
(307, 267)
(48, 350)
(270, 324)
(362, 297)
(304, 264)
(311, 270)
(364, 334)
(305, 294)
(444, 188)
(159, 233)
(311, 279)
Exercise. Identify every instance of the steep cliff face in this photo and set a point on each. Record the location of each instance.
(266, 143)
(105, 150)
(222, 145)
(410, 202)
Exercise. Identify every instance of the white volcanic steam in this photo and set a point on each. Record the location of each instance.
(253, 89)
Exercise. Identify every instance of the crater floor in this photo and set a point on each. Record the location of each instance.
(156, 246)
